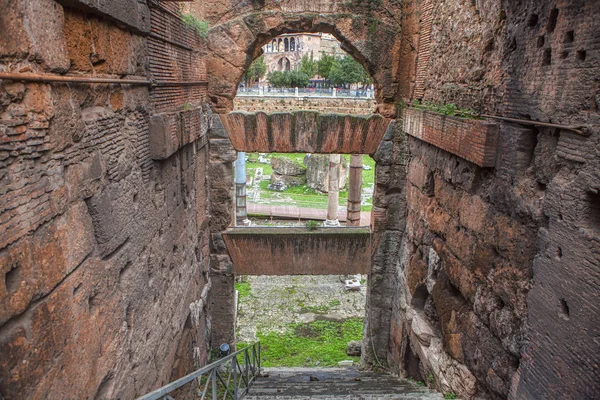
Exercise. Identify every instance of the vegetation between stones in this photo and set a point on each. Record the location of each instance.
(319, 343)
(193, 22)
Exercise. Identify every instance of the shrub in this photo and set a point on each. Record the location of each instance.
(194, 23)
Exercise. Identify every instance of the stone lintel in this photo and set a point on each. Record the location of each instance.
(299, 251)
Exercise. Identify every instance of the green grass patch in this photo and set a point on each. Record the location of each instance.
(305, 345)
(304, 196)
(244, 290)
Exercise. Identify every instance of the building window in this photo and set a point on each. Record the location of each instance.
(292, 44)
(286, 44)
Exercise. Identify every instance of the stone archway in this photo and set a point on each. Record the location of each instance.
(234, 44)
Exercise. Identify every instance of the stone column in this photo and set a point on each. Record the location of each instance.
(354, 190)
(334, 191)
(241, 213)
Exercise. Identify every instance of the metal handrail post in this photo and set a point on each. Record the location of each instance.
(247, 360)
(234, 364)
(214, 384)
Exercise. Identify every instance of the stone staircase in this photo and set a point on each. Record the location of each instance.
(335, 383)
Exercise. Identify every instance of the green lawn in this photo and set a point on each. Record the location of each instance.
(304, 196)
(321, 343)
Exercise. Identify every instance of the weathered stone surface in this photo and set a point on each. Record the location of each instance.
(354, 348)
(34, 29)
(104, 254)
(286, 166)
(317, 172)
(287, 180)
(134, 15)
(298, 251)
(304, 132)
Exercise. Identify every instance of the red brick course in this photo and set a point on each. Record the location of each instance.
(473, 140)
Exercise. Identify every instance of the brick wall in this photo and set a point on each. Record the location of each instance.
(493, 261)
(104, 249)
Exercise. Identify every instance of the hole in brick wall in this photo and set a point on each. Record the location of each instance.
(593, 211)
(541, 41)
(12, 279)
(489, 46)
(547, 57)
(129, 316)
(420, 298)
(533, 20)
(559, 217)
(513, 44)
(558, 253)
(581, 54)
(564, 54)
(553, 19)
(135, 197)
(564, 310)
(570, 37)
(92, 303)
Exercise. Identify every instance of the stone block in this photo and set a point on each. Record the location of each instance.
(131, 13)
(34, 27)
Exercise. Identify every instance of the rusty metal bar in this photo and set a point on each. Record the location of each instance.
(580, 130)
(47, 78)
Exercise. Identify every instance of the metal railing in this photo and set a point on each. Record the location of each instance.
(306, 92)
(227, 378)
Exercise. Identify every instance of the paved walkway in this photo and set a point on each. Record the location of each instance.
(294, 212)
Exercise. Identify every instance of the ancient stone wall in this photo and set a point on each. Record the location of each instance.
(494, 274)
(322, 105)
(104, 249)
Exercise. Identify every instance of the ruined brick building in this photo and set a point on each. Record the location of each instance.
(116, 186)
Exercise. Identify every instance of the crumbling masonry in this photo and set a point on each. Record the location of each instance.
(114, 275)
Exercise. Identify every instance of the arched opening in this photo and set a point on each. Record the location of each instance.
(279, 45)
(273, 179)
(274, 46)
(284, 64)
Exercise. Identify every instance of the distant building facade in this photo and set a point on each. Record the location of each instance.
(285, 52)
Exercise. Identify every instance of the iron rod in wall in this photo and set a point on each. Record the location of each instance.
(580, 130)
(47, 78)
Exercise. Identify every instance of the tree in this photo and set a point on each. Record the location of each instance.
(257, 70)
(308, 66)
(286, 79)
(279, 79)
(347, 71)
(299, 79)
(324, 65)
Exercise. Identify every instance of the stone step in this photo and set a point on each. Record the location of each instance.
(335, 383)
